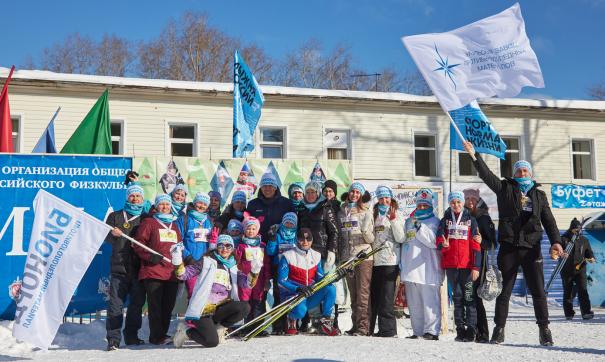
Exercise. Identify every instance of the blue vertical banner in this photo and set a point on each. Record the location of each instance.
(94, 184)
(476, 128)
(247, 103)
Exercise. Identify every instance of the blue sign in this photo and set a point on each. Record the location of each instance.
(577, 196)
(92, 183)
(247, 103)
(476, 128)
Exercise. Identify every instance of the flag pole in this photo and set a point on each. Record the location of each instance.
(8, 79)
(458, 132)
(139, 244)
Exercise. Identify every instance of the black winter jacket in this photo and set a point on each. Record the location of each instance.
(486, 226)
(580, 251)
(269, 211)
(124, 260)
(322, 222)
(222, 221)
(518, 227)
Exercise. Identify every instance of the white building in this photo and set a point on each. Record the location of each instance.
(387, 136)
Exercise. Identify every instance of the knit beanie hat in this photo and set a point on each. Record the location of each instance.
(313, 185)
(201, 197)
(179, 187)
(224, 239)
(522, 163)
(235, 224)
(251, 221)
(162, 198)
(295, 187)
(331, 184)
(134, 189)
(268, 179)
(424, 197)
(239, 196)
(383, 191)
(291, 218)
(455, 195)
(215, 194)
(357, 186)
(472, 194)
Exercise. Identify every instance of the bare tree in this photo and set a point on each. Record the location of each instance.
(597, 92)
(412, 82)
(114, 56)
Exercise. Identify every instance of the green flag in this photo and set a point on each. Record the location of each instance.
(93, 135)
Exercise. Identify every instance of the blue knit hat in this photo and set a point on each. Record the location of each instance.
(215, 194)
(383, 191)
(179, 187)
(162, 198)
(357, 186)
(235, 224)
(455, 195)
(295, 187)
(202, 197)
(224, 239)
(239, 196)
(291, 218)
(313, 185)
(268, 179)
(251, 221)
(522, 163)
(134, 189)
(424, 196)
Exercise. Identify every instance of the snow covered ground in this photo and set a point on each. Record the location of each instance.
(574, 340)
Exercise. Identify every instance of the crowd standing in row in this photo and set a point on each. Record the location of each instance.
(229, 260)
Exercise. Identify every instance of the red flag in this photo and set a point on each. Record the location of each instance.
(6, 125)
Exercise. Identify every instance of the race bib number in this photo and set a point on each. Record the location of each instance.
(410, 234)
(379, 229)
(458, 232)
(350, 224)
(253, 254)
(222, 277)
(199, 234)
(168, 236)
(526, 204)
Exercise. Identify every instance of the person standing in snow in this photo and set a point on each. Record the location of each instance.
(524, 211)
(388, 231)
(421, 268)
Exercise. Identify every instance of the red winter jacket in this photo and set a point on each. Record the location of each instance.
(464, 253)
(148, 234)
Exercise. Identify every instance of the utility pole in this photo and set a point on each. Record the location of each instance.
(375, 75)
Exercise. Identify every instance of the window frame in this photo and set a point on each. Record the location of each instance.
(168, 141)
(521, 149)
(326, 130)
(19, 140)
(593, 158)
(435, 135)
(458, 175)
(122, 140)
(261, 143)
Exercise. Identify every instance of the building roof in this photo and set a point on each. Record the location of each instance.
(213, 87)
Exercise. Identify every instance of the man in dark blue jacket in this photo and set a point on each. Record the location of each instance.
(270, 206)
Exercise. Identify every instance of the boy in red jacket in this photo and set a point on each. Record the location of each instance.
(459, 240)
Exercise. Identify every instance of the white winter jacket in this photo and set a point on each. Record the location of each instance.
(357, 230)
(420, 260)
(388, 233)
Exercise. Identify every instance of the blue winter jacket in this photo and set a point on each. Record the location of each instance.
(193, 249)
(269, 211)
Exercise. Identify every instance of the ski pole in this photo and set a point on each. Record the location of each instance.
(263, 316)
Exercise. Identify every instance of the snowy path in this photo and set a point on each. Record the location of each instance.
(575, 340)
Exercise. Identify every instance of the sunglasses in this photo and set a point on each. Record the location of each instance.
(225, 246)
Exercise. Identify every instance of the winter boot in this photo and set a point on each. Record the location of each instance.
(113, 345)
(351, 331)
(460, 334)
(469, 336)
(587, 316)
(180, 336)
(497, 335)
(326, 327)
(221, 332)
(482, 338)
(291, 329)
(430, 337)
(545, 336)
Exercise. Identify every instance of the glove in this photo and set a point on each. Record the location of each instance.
(342, 273)
(176, 253)
(256, 265)
(330, 260)
(155, 259)
(305, 291)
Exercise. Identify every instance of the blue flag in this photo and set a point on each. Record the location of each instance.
(476, 128)
(46, 143)
(247, 103)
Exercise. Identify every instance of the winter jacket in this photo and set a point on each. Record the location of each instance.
(207, 278)
(196, 237)
(322, 222)
(222, 221)
(420, 260)
(463, 252)
(124, 260)
(516, 226)
(486, 226)
(269, 211)
(581, 250)
(148, 233)
(244, 254)
(388, 233)
(357, 230)
(297, 268)
(335, 205)
(277, 246)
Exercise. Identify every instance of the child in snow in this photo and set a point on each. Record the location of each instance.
(235, 229)
(459, 240)
(299, 269)
(215, 303)
(254, 268)
(421, 270)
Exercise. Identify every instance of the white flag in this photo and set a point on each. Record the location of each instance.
(491, 57)
(63, 242)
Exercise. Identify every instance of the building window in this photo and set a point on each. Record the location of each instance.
(16, 121)
(512, 155)
(581, 153)
(465, 165)
(182, 140)
(424, 155)
(272, 142)
(337, 144)
(117, 134)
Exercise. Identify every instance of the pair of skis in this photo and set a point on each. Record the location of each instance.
(563, 259)
(288, 305)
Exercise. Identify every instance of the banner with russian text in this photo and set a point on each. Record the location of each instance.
(477, 129)
(94, 184)
(63, 242)
(577, 196)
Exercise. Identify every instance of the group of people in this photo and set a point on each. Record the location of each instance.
(228, 260)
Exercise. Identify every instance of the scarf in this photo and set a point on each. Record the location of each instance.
(214, 213)
(424, 214)
(177, 207)
(382, 209)
(236, 240)
(525, 184)
(251, 241)
(134, 209)
(238, 213)
(165, 218)
(286, 235)
(312, 206)
(198, 216)
(229, 262)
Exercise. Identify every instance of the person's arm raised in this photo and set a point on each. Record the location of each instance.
(492, 181)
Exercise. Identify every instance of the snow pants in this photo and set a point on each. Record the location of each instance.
(577, 280)
(122, 288)
(382, 295)
(204, 330)
(359, 287)
(465, 312)
(424, 303)
(325, 297)
(161, 296)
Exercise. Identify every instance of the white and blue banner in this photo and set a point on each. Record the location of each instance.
(63, 242)
(490, 57)
(476, 128)
(247, 103)
(93, 184)
(566, 196)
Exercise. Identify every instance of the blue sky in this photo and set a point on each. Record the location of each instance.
(566, 35)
